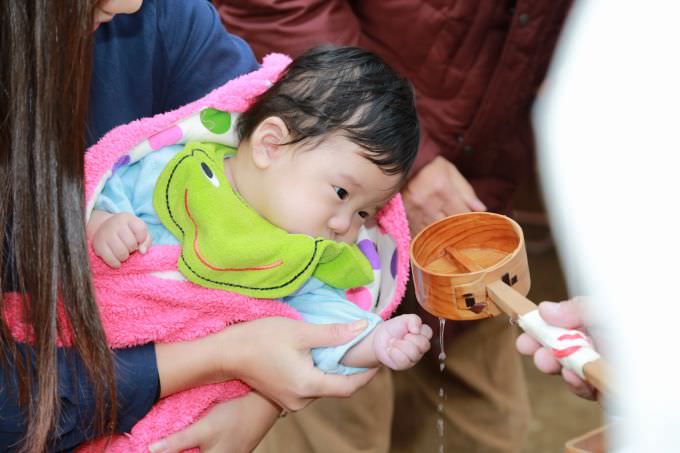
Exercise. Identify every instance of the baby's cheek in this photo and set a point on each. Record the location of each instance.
(285, 217)
(302, 225)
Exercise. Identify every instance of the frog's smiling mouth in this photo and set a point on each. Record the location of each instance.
(197, 250)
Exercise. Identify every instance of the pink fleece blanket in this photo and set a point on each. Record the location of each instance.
(139, 303)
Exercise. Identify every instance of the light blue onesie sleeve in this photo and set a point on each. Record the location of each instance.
(130, 189)
(319, 303)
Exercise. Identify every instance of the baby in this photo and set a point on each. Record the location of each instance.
(319, 153)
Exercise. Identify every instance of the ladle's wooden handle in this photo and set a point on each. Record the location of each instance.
(570, 347)
(596, 374)
(509, 300)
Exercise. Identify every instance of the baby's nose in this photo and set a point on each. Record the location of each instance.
(340, 224)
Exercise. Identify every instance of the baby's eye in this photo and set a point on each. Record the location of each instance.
(342, 193)
(363, 214)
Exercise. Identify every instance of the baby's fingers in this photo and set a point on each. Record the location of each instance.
(409, 349)
(119, 249)
(400, 360)
(128, 239)
(414, 323)
(426, 331)
(106, 254)
(421, 342)
(140, 232)
(144, 246)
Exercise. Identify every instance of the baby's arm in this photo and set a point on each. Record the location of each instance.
(398, 343)
(115, 236)
(321, 304)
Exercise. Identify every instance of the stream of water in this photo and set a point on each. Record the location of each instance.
(441, 394)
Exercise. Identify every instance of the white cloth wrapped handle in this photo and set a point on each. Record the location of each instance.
(572, 348)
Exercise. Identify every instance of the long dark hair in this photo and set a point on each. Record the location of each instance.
(46, 51)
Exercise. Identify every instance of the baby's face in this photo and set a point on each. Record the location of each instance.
(327, 191)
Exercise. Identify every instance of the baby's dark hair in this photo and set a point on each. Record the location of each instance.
(347, 90)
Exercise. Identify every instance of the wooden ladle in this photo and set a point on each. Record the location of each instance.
(474, 266)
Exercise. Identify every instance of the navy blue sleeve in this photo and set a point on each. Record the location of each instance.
(202, 55)
(137, 385)
(166, 55)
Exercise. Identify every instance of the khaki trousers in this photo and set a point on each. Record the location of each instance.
(338, 425)
(486, 406)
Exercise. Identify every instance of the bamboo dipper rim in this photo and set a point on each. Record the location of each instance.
(515, 226)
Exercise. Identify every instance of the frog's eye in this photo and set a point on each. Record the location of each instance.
(210, 175)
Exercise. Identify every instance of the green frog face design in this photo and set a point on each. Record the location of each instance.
(227, 245)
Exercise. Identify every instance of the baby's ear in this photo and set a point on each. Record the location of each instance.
(267, 139)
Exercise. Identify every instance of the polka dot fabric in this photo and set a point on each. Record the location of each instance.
(382, 251)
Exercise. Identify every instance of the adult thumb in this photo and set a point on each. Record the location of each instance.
(320, 335)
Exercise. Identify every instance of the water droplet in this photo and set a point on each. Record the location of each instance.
(442, 325)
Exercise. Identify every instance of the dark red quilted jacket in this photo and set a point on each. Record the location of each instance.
(476, 66)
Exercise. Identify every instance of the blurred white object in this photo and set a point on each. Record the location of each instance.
(608, 129)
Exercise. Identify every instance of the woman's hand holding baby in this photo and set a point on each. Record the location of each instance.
(272, 355)
(116, 236)
(234, 426)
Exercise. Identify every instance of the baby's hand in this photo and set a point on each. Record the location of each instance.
(400, 342)
(119, 236)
